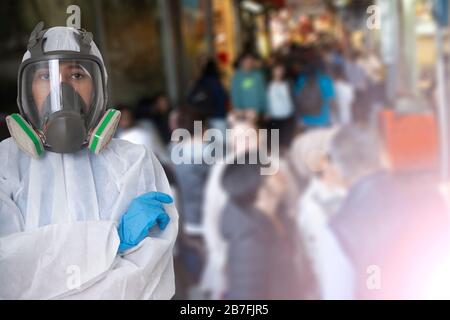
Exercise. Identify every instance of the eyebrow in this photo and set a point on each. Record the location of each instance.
(72, 66)
(75, 66)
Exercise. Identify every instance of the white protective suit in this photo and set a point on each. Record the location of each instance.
(59, 216)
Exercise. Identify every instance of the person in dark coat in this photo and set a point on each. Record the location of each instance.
(156, 110)
(393, 229)
(260, 247)
(209, 95)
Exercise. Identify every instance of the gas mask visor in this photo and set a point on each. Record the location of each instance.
(63, 98)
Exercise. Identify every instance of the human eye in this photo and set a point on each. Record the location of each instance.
(43, 75)
(77, 76)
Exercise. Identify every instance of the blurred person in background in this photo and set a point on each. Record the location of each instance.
(214, 281)
(332, 56)
(374, 68)
(354, 155)
(210, 95)
(154, 113)
(358, 78)
(345, 96)
(248, 87)
(280, 104)
(263, 65)
(314, 92)
(322, 196)
(391, 237)
(261, 254)
(191, 175)
(128, 129)
(138, 132)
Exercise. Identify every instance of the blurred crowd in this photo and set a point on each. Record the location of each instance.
(337, 221)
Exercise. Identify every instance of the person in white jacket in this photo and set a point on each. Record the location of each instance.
(281, 105)
(321, 198)
(74, 216)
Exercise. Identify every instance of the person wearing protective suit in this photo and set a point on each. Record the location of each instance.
(82, 216)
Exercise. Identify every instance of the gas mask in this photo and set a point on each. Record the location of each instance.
(62, 99)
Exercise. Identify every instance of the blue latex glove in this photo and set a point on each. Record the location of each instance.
(143, 214)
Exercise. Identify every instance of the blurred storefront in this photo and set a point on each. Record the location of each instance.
(317, 22)
(254, 26)
(300, 22)
(226, 39)
(409, 47)
(131, 41)
(194, 32)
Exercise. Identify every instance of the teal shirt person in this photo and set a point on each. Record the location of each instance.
(325, 83)
(248, 91)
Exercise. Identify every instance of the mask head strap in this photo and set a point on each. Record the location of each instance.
(37, 41)
(84, 40)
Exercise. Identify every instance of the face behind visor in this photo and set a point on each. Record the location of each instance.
(62, 99)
